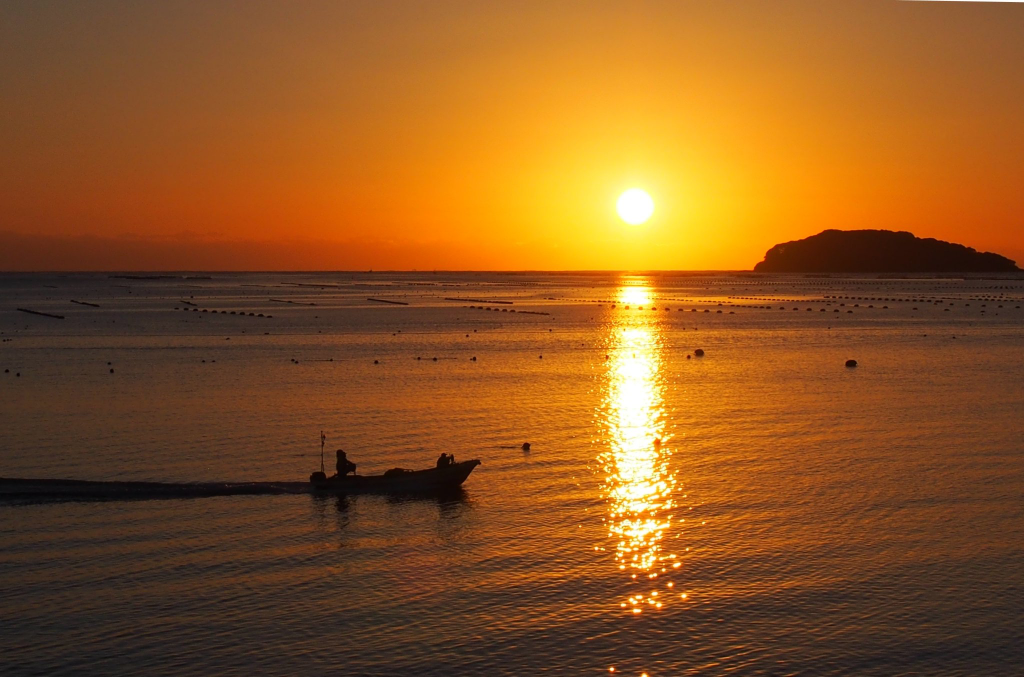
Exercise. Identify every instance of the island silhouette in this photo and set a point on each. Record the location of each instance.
(878, 251)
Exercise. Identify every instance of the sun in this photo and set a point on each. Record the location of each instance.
(635, 206)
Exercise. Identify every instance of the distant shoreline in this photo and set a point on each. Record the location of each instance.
(870, 251)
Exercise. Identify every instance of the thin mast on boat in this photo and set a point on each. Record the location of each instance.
(323, 440)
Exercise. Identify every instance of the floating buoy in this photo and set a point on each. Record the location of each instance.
(526, 446)
(699, 352)
(111, 371)
(473, 359)
(376, 362)
(851, 363)
(435, 359)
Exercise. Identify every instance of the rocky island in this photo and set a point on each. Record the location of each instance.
(878, 251)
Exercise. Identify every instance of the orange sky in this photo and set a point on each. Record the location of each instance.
(459, 135)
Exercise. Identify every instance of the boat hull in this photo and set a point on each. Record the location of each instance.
(432, 481)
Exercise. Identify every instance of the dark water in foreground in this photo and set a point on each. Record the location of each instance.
(796, 517)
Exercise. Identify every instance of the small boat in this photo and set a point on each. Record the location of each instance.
(397, 481)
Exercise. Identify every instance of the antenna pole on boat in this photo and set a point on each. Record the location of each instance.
(323, 440)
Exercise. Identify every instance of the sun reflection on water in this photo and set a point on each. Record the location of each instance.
(639, 485)
(635, 295)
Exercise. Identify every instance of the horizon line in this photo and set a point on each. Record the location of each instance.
(439, 271)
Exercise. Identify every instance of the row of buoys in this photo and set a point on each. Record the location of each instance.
(503, 310)
(224, 312)
(507, 310)
(18, 374)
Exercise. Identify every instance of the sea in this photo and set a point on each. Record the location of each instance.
(709, 489)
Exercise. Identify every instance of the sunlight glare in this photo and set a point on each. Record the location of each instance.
(635, 206)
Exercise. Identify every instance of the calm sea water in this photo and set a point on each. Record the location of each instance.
(759, 510)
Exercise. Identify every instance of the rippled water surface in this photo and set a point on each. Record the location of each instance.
(762, 509)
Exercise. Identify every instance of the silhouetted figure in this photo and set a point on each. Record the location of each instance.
(442, 461)
(344, 465)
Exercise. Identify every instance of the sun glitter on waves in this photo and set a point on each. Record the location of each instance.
(640, 485)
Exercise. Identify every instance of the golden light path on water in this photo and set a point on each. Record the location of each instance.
(639, 485)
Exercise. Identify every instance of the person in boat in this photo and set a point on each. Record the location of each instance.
(344, 465)
(442, 461)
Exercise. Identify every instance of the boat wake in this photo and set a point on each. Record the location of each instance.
(439, 480)
(46, 490)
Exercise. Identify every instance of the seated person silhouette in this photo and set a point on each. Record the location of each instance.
(445, 460)
(344, 465)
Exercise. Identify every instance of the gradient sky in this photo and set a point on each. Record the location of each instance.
(479, 135)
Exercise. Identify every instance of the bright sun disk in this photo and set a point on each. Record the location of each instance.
(635, 206)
